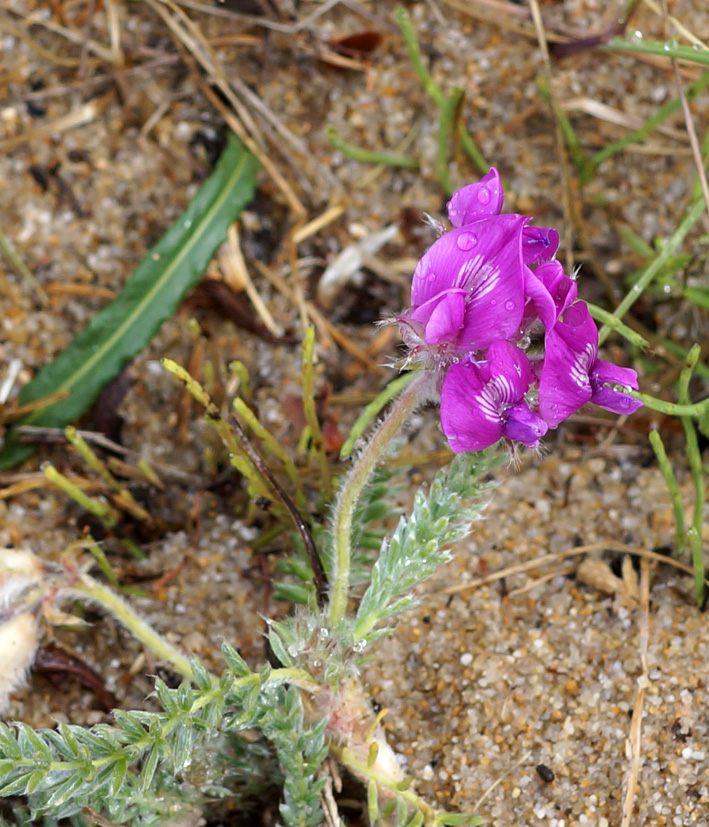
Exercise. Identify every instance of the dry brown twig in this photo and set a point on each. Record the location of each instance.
(328, 332)
(80, 116)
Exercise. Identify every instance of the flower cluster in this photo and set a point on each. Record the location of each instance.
(479, 294)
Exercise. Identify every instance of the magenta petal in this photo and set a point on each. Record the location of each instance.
(484, 259)
(509, 371)
(579, 332)
(562, 289)
(523, 425)
(469, 413)
(615, 401)
(442, 316)
(542, 304)
(570, 354)
(476, 200)
(612, 400)
(539, 244)
(608, 372)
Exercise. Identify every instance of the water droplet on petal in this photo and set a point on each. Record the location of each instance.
(484, 195)
(466, 241)
(510, 305)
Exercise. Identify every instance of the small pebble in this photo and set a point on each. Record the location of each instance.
(545, 773)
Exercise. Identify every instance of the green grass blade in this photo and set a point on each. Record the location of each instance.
(669, 49)
(149, 298)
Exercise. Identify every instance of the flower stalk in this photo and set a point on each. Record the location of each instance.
(414, 395)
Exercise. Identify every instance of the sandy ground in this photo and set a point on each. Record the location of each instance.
(483, 684)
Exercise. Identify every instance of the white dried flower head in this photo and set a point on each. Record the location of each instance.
(19, 569)
(18, 644)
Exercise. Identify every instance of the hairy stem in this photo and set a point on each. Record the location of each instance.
(103, 596)
(375, 450)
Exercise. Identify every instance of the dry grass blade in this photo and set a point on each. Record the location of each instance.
(634, 742)
(615, 116)
(286, 28)
(318, 223)
(240, 97)
(500, 779)
(687, 113)
(102, 52)
(299, 146)
(326, 330)
(18, 32)
(194, 52)
(546, 559)
(77, 117)
(236, 273)
(681, 30)
(693, 140)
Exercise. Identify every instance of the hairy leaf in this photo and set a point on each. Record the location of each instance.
(416, 548)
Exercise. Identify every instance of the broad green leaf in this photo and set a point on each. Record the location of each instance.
(151, 295)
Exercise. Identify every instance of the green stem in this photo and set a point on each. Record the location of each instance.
(614, 323)
(356, 480)
(654, 47)
(103, 512)
(695, 409)
(449, 113)
(406, 27)
(362, 769)
(374, 409)
(640, 134)
(310, 411)
(243, 410)
(432, 89)
(695, 212)
(578, 156)
(369, 156)
(694, 458)
(658, 446)
(95, 591)
(472, 151)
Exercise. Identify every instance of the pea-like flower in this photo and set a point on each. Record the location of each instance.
(478, 294)
(468, 290)
(572, 374)
(483, 401)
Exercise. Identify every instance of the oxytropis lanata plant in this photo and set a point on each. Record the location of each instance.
(496, 333)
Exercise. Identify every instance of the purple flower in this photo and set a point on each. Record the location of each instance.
(476, 200)
(484, 199)
(483, 401)
(468, 290)
(572, 374)
(476, 295)
(550, 292)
